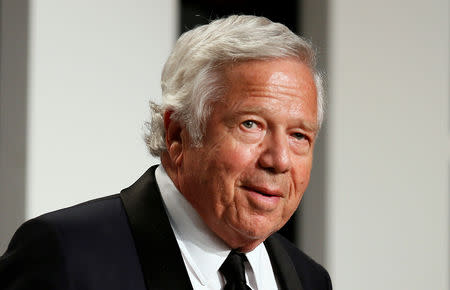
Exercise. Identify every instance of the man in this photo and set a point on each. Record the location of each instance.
(242, 106)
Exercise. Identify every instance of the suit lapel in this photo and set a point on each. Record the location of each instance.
(282, 265)
(162, 264)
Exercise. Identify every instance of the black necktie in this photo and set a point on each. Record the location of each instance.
(234, 271)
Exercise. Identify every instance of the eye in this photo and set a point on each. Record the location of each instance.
(248, 124)
(299, 136)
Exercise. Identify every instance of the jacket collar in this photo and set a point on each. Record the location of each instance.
(282, 264)
(156, 245)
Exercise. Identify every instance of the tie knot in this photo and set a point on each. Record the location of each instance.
(233, 270)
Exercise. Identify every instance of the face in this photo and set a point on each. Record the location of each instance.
(249, 175)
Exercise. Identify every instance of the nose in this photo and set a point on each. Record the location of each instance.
(275, 156)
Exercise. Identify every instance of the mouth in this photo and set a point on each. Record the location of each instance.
(264, 191)
(263, 199)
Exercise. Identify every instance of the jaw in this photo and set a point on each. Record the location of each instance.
(242, 243)
(246, 232)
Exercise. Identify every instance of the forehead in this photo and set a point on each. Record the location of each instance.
(287, 85)
(278, 72)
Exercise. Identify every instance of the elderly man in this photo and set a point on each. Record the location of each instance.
(241, 109)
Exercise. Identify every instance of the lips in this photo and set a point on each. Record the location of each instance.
(261, 198)
(263, 190)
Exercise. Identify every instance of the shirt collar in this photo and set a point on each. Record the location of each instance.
(204, 251)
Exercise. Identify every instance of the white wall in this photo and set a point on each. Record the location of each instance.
(92, 68)
(388, 144)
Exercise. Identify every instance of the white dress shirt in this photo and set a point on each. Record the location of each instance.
(203, 252)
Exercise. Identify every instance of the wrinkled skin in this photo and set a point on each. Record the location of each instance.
(249, 175)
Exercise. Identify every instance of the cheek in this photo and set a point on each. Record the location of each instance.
(227, 163)
(233, 157)
(301, 174)
(302, 177)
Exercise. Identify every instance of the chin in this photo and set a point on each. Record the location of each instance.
(254, 234)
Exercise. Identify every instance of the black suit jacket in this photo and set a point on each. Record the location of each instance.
(123, 241)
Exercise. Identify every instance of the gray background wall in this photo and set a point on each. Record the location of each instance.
(378, 214)
(76, 77)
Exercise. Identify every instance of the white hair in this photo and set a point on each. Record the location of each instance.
(191, 79)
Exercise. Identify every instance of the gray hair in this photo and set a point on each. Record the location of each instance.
(191, 79)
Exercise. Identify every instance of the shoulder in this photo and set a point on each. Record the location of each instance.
(89, 213)
(90, 219)
(311, 273)
(80, 239)
(33, 251)
(80, 217)
(82, 227)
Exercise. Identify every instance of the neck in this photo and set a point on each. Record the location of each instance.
(170, 168)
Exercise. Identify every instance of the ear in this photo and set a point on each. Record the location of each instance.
(174, 139)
